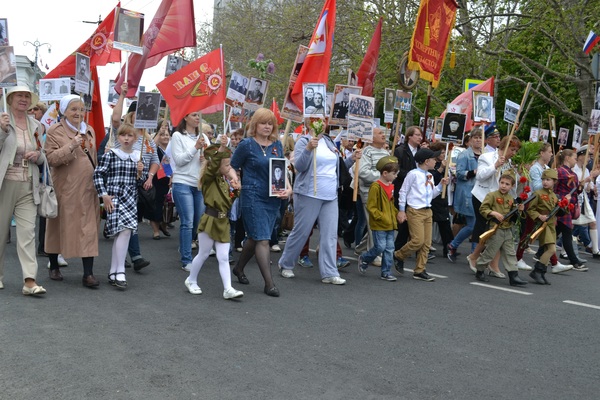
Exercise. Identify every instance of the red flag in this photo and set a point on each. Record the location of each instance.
(368, 68)
(172, 28)
(465, 101)
(430, 38)
(196, 87)
(275, 110)
(316, 65)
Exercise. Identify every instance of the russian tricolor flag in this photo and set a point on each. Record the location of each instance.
(591, 41)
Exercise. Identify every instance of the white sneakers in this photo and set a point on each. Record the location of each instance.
(275, 248)
(193, 288)
(522, 265)
(231, 293)
(286, 273)
(334, 280)
(61, 261)
(187, 267)
(376, 263)
(561, 268)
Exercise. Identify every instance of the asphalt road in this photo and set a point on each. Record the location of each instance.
(369, 339)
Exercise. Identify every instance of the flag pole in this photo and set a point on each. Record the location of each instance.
(4, 99)
(444, 186)
(396, 137)
(359, 145)
(126, 67)
(286, 133)
(427, 110)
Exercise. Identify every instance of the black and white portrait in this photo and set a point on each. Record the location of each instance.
(360, 129)
(483, 106)
(113, 96)
(277, 181)
(289, 109)
(82, 73)
(544, 135)
(534, 134)
(53, 89)
(389, 100)
(3, 32)
(563, 137)
(314, 99)
(128, 31)
(146, 114)
(453, 129)
(341, 101)
(300, 57)
(577, 136)
(511, 109)
(597, 95)
(236, 92)
(173, 64)
(361, 106)
(256, 92)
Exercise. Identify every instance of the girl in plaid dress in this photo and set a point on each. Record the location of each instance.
(115, 180)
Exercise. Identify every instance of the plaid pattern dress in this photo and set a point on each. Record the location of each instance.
(567, 180)
(117, 176)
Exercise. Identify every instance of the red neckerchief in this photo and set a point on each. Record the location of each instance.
(388, 189)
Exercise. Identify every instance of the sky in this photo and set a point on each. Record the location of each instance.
(59, 24)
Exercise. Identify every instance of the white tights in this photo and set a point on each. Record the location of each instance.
(119, 252)
(205, 244)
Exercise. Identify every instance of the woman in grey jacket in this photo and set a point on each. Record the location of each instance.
(20, 154)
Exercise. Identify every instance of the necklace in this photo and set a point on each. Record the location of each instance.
(263, 148)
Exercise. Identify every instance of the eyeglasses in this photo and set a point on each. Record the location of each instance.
(35, 109)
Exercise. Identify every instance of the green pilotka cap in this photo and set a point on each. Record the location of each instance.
(550, 174)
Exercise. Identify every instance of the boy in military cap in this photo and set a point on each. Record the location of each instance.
(495, 205)
(538, 211)
(382, 218)
(414, 201)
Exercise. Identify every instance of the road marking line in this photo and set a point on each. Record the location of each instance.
(576, 303)
(501, 288)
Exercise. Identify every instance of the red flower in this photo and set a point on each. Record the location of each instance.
(527, 189)
(523, 196)
(523, 179)
(571, 206)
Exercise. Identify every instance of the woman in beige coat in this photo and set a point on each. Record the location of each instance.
(71, 152)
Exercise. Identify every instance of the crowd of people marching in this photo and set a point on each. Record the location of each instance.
(228, 201)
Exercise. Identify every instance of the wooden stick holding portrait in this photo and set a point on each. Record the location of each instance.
(515, 126)
(449, 147)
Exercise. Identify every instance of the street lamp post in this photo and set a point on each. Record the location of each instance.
(37, 45)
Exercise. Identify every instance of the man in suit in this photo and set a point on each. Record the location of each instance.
(340, 109)
(278, 182)
(255, 95)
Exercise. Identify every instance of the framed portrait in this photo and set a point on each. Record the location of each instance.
(236, 92)
(290, 110)
(438, 127)
(82, 73)
(352, 78)
(256, 94)
(552, 122)
(389, 101)
(534, 134)
(408, 77)
(563, 137)
(8, 67)
(360, 129)
(341, 101)
(146, 114)
(277, 181)
(511, 109)
(577, 136)
(87, 98)
(300, 57)
(236, 114)
(315, 95)
(453, 129)
(129, 27)
(328, 102)
(113, 96)
(544, 135)
(54, 89)
(403, 100)
(174, 64)
(483, 106)
(594, 126)
(361, 107)
(4, 32)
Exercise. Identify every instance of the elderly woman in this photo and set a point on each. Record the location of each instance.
(71, 151)
(259, 210)
(186, 148)
(19, 182)
(315, 201)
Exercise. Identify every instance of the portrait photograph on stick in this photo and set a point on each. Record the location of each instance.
(290, 110)
(511, 109)
(82, 73)
(544, 133)
(129, 27)
(577, 136)
(563, 137)
(314, 99)
(174, 64)
(146, 114)
(403, 100)
(236, 92)
(483, 105)
(594, 125)
(453, 129)
(8, 67)
(361, 107)
(534, 133)
(113, 96)
(300, 57)
(389, 101)
(277, 181)
(4, 32)
(552, 122)
(255, 97)
(360, 129)
(341, 101)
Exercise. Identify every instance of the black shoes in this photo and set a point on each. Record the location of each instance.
(480, 276)
(273, 292)
(423, 276)
(139, 264)
(399, 265)
(241, 277)
(536, 274)
(515, 280)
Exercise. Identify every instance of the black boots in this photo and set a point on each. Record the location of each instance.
(480, 276)
(538, 274)
(513, 277)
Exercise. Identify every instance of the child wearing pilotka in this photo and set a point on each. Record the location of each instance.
(382, 218)
(414, 203)
(495, 206)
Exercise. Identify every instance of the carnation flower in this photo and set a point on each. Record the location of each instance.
(526, 189)
(523, 196)
(523, 179)
(571, 206)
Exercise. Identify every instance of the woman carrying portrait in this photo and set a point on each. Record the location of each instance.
(20, 155)
(259, 210)
(161, 138)
(71, 151)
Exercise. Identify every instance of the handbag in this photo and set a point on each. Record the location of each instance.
(146, 197)
(287, 222)
(168, 211)
(48, 207)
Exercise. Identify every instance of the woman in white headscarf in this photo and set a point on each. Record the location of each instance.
(71, 152)
(19, 182)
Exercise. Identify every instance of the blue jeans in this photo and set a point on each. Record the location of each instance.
(190, 206)
(383, 242)
(134, 247)
(464, 233)
(581, 231)
(361, 222)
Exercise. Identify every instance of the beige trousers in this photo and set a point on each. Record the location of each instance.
(419, 227)
(16, 198)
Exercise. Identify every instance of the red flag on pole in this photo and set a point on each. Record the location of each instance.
(465, 101)
(368, 68)
(196, 87)
(430, 39)
(172, 28)
(316, 65)
(275, 110)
